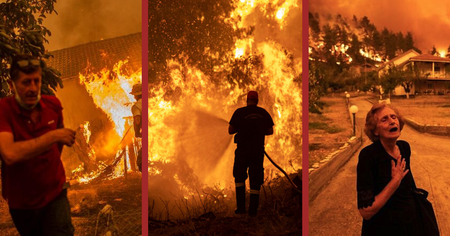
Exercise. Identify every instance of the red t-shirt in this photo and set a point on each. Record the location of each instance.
(32, 184)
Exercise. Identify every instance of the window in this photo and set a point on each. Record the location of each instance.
(437, 69)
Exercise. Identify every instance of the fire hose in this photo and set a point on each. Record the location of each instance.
(284, 172)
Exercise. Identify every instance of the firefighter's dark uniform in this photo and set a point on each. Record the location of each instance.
(251, 123)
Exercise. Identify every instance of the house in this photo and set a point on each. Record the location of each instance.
(99, 54)
(436, 69)
(77, 103)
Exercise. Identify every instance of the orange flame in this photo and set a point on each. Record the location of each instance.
(173, 102)
(110, 91)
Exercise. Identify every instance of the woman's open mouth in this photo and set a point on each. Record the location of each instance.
(395, 129)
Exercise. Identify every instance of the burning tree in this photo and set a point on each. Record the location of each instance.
(205, 56)
(197, 31)
(341, 50)
(22, 32)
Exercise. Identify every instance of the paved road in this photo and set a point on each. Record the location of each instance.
(334, 211)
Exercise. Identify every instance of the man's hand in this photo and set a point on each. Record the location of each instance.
(64, 136)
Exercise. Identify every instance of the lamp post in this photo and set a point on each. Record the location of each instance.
(354, 110)
(347, 95)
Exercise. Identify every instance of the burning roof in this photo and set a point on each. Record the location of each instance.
(71, 61)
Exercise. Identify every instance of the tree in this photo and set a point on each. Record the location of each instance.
(389, 42)
(409, 42)
(317, 85)
(412, 75)
(391, 78)
(377, 41)
(195, 32)
(405, 77)
(433, 51)
(22, 32)
(353, 51)
(400, 42)
(314, 23)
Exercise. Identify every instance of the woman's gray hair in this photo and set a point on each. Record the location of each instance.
(371, 122)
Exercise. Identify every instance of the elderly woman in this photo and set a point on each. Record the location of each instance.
(384, 181)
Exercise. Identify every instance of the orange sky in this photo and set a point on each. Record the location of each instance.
(429, 21)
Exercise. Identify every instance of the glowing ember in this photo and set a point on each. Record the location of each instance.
(86, 131)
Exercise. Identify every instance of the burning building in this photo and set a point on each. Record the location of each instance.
(97, 79)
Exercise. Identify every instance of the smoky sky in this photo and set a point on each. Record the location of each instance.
(83, 21)
(428, 21)
(290, 37)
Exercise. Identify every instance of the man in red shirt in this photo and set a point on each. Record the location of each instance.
(32, 135)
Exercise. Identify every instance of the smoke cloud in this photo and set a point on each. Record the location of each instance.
(289, 36)
(83, 21)
(427, 21)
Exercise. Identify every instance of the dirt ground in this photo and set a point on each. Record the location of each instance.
(425, 109)
(87, 200)
(329, 130)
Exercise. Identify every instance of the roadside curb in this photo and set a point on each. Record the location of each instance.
(436, 129)
(442, 130)
(323, 171)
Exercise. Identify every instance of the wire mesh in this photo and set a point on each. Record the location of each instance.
(109, 223)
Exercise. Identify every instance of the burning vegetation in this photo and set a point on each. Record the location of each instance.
(346, 54)
(204, 58)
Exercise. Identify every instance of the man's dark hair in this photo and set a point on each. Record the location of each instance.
(30, 67)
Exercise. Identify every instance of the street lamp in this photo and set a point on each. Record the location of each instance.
(354, 110)
(348, 98)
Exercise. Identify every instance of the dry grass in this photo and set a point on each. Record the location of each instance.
(425, 109)
(330, 130)
(213, 214)
(213, 200)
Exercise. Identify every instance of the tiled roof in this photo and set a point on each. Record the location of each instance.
(430, 58)
(404, 54)
(392, 61)
(104, 53)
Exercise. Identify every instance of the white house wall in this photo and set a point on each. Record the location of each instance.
(400, 91)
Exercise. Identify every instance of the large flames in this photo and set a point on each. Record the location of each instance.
(110, 91)
(340, 49)
(189, 144)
